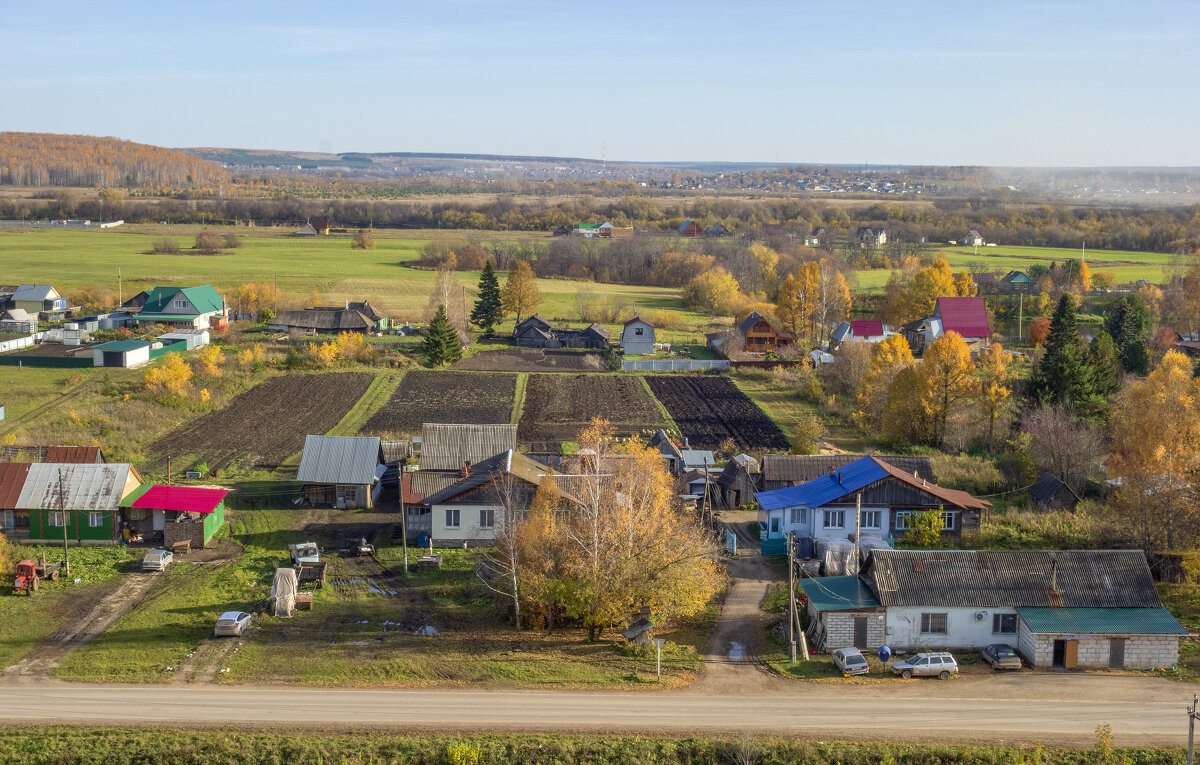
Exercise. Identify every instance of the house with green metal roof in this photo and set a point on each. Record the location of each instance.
(842, 612)
(190, 307)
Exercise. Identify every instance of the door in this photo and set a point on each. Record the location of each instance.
(113, 358)
(1071, 660)
(1116, 653)
(160, 520)
(860, 632)
(1060, 654)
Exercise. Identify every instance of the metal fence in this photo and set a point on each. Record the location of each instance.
(674, 365)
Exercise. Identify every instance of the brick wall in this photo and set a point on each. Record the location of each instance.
(179, 532)
(1141, 651)
(839, 629)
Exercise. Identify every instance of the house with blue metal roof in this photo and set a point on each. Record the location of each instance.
(886, 498)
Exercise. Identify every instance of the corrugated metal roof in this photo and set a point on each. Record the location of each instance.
(27, 292)
(12, 480)
(949, 496)
(394, 451)
(1094, 621)
(1044, 489)
(965, 315)
(698, 458)
(824, 489)
(510, 463)
(449, 447)
(805, 467)
(184, 499)
(867, 327)
(1010, 578)
(86, 487)
(838, 593)
(339, 459)
(82, 454)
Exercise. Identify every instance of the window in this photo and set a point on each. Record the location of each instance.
(56, 518)
(452, 516)
(933, 624)
(180, 304)
(6, 519)
(870, 519)
(902, 518)
(799, 515)
(835, 519)
(948, 518)
(95, 520)
(1004, 624)
(487, 519)
(637, 330)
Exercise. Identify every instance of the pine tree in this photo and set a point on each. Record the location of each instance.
(1129, 325)
(1065, 374)
(1106, 366)
(441, 344)
(487, 312)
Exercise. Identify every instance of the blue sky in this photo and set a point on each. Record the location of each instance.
(998, 82)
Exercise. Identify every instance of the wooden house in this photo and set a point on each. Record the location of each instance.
(718, 230)
(1050, 493)
(738, 482)
(14, 521)
(780, 471)
(637, 337)
(470, 510)
(449, 447)
(85, 499)
(536, 332)
(758, 335)
(341, 471)
(320, 225)
(560, 230)
(689, 228)
(330, 320)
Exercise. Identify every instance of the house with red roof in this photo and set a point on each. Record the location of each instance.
(861, 330)
(181, 513)
(965, 315)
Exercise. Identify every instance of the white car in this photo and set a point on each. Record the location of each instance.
(157, 560)
(850, 661)
(940, 664)
(232, 624)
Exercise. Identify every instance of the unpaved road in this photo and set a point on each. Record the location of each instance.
(1140, 710)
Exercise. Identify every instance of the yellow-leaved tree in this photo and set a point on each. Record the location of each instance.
(766, 259)
(948, 374)
(887, 359)
(995, 386)
(964, 285)
(1155, 434)
(172, 376)
(927, 285)
(208, 361)
(520, 294)
(713, 292)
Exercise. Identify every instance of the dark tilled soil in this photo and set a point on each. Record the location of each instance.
(710, 409)
(444, 397)
(266, 424)
(534, 360)
(557, 407)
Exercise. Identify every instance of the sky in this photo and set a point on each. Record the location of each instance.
(972, 82)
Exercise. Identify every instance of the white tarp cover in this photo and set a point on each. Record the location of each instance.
(837, 555)
(283, 591)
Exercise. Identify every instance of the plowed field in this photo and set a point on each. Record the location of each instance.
(710, 409)
(557, 407)
(470, 398)
(266, 424)
(535, 360)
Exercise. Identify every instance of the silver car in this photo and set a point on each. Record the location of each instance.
(940, 664)
(232, 624)
(850, 661)
(157, 560)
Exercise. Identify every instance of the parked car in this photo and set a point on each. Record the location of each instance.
(232, 624)
(1001, 656)
(850, 661)
(940, 664)
(157, 560)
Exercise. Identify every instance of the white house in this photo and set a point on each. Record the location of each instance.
(470, 510)
(973, 239)
(637, 337)
(861, 330)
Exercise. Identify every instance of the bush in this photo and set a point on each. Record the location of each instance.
(363, 240)
(165, 246)
(232, 241)
(209, 242)
(975, 475)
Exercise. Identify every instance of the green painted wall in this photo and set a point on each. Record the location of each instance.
(214, 521)
(40, 528)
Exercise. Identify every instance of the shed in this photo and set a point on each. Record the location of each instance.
(341, 471)
(191, 338)
(1049, 493)
(449, 447)
(843, 612)
(90, 495)
(637, 337)
(182, 513)
(18, 320)
(122, 353)
(74, 454)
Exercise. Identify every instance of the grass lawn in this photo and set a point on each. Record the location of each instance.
(784, 406)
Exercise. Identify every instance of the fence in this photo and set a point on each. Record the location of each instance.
(674, 365)
(21, 342)
(56, 362)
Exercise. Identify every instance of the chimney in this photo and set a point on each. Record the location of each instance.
(1052, 592)
(347, 304)
(466, 471)
(685, 442)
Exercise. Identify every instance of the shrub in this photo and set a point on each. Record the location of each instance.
(209, 242)
(165, 246)
(976, 475)
(363, 240)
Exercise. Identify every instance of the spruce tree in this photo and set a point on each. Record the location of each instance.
(1129, 324)
(1106, 372)
(1065, 374)
(441, 344)
(487, 311)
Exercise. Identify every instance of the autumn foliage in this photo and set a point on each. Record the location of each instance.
(172, 376)
(47, 159)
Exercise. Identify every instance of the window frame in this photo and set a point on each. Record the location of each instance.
(457, 517)
(878, 519)
(57, 519)
(490, 512)
(929, 623)
(998, 622)
(949, 520)
(841, 516)
(798, 516)
(903, 519)
(95, 519)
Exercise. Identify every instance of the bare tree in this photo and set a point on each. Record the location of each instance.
(448, 292)
(1064, 446)
(501, 567)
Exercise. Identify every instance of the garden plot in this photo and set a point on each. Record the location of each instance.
(470, 398)
(557, 407)
(709, 410)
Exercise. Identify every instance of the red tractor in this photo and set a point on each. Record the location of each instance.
(31, 573)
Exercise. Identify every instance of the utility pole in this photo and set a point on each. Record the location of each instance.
(403, 516)
(857, 528)
(707, 508)
(120, 288)
(791, 550)
(62, 514)
(1192, 726)
(1021, 317)
(275, 299)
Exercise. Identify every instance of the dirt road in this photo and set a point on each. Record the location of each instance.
(1140, 710)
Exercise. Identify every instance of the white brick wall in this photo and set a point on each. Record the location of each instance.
(1141, 651)
(839, 629)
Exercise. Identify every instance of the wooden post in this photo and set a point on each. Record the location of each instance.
(857, 528)
(62, 511)
(404, 516)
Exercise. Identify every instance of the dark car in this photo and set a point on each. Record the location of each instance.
(1001, 656)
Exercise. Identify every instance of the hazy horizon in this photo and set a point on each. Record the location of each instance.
(1021, 84)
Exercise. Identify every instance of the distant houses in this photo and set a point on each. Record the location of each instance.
(868, 235)
(605, 230)
(973, 239)
(859, 330)
(537, 332)
(689, 228)
(331, 320)
(965, 315)
(195, 307)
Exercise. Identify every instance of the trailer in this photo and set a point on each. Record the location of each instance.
(312, 573)
(29, 575)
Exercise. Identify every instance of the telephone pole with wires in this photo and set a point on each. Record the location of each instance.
(1192, 726)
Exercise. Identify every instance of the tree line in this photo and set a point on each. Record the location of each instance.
(47, 159)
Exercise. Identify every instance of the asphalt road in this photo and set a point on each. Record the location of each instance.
(1146, 711)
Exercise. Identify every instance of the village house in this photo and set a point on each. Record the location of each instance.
(689, 228)
(1050, 493)
(985, 283)
(560, 230)
(1014, 282)
(37, 299)
(341, 471)
(814, 237)
(780, 471)
(717, 230)
(824, 508)
(973, 239)
(88, 504)
(860, 330)
(605, 230)
(330, 320)
(637, 337)
(182, 513)
(965, 315)
(1058, 608)
(679, 458)
(537, 332)
(190, 307)
(755, 334)
(13, 520)
(868, 235)
(470, 510)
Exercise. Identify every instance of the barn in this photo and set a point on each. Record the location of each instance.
(122, 353)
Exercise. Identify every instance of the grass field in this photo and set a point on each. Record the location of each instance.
(45, 745)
